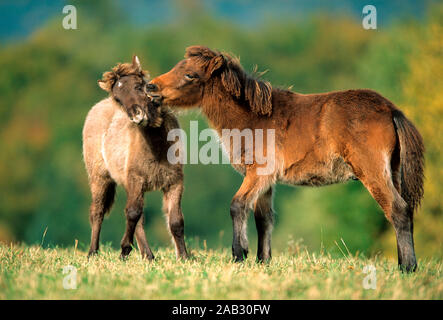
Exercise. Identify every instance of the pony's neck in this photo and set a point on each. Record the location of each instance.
(223, 111)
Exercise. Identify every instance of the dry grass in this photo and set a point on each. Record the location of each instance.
(36, 273)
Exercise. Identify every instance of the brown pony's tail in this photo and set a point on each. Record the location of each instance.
(411, 160)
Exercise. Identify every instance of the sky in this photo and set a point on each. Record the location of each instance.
(20, 18)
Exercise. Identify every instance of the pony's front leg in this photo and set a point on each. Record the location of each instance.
(142, 243)
(103, 192)
(252, 187)
(264, 220)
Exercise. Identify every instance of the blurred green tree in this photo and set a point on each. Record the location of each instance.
(48, 84)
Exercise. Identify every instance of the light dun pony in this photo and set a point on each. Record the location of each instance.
(125, 142)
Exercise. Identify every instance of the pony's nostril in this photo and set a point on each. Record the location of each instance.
(151, 87)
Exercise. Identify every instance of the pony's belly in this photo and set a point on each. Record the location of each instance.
(318, 173)
(124, 163)
(161, 175)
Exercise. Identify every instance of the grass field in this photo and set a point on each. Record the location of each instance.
(37, 273)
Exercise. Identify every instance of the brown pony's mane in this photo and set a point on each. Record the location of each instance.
(257, 94)
(109, 78)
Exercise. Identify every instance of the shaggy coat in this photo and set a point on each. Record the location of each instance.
(320, 139)
(118, 149)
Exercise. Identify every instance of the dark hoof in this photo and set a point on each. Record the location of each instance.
(125, 252)
(407, 263)
(240, 254)
(148, 256)
(92, 253)
(262, 260)
(408, 268)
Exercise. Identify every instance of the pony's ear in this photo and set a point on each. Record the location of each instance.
(136, 63)
(259, 95)
(104, 85)
(214, 64)
(107, 81)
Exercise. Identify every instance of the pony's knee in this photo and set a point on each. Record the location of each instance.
(237, 207)
(133, 214)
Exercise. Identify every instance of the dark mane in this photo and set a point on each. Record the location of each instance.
(257, 94)
(109, 78)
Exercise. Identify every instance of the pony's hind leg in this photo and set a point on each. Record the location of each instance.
(378, 178)
(402, 220)
(264, 220)
(133, 212)
(174, 217)
(142, 243)
(103, 192)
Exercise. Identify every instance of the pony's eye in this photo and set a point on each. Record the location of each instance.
(190, 76)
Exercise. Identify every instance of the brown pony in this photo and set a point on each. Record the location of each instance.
(320, 139)
(125, 142)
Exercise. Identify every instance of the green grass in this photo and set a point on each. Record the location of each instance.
(36, 273)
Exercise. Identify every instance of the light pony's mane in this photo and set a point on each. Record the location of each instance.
(109, 78)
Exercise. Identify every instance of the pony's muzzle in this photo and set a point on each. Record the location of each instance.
(139, 117)
(152, 91)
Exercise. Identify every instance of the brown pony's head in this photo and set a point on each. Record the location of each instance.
(126, 84)
(185, 84)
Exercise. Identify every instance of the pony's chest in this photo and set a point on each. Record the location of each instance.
(129, 152)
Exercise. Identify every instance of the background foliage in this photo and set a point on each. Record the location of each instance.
(48, 84)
